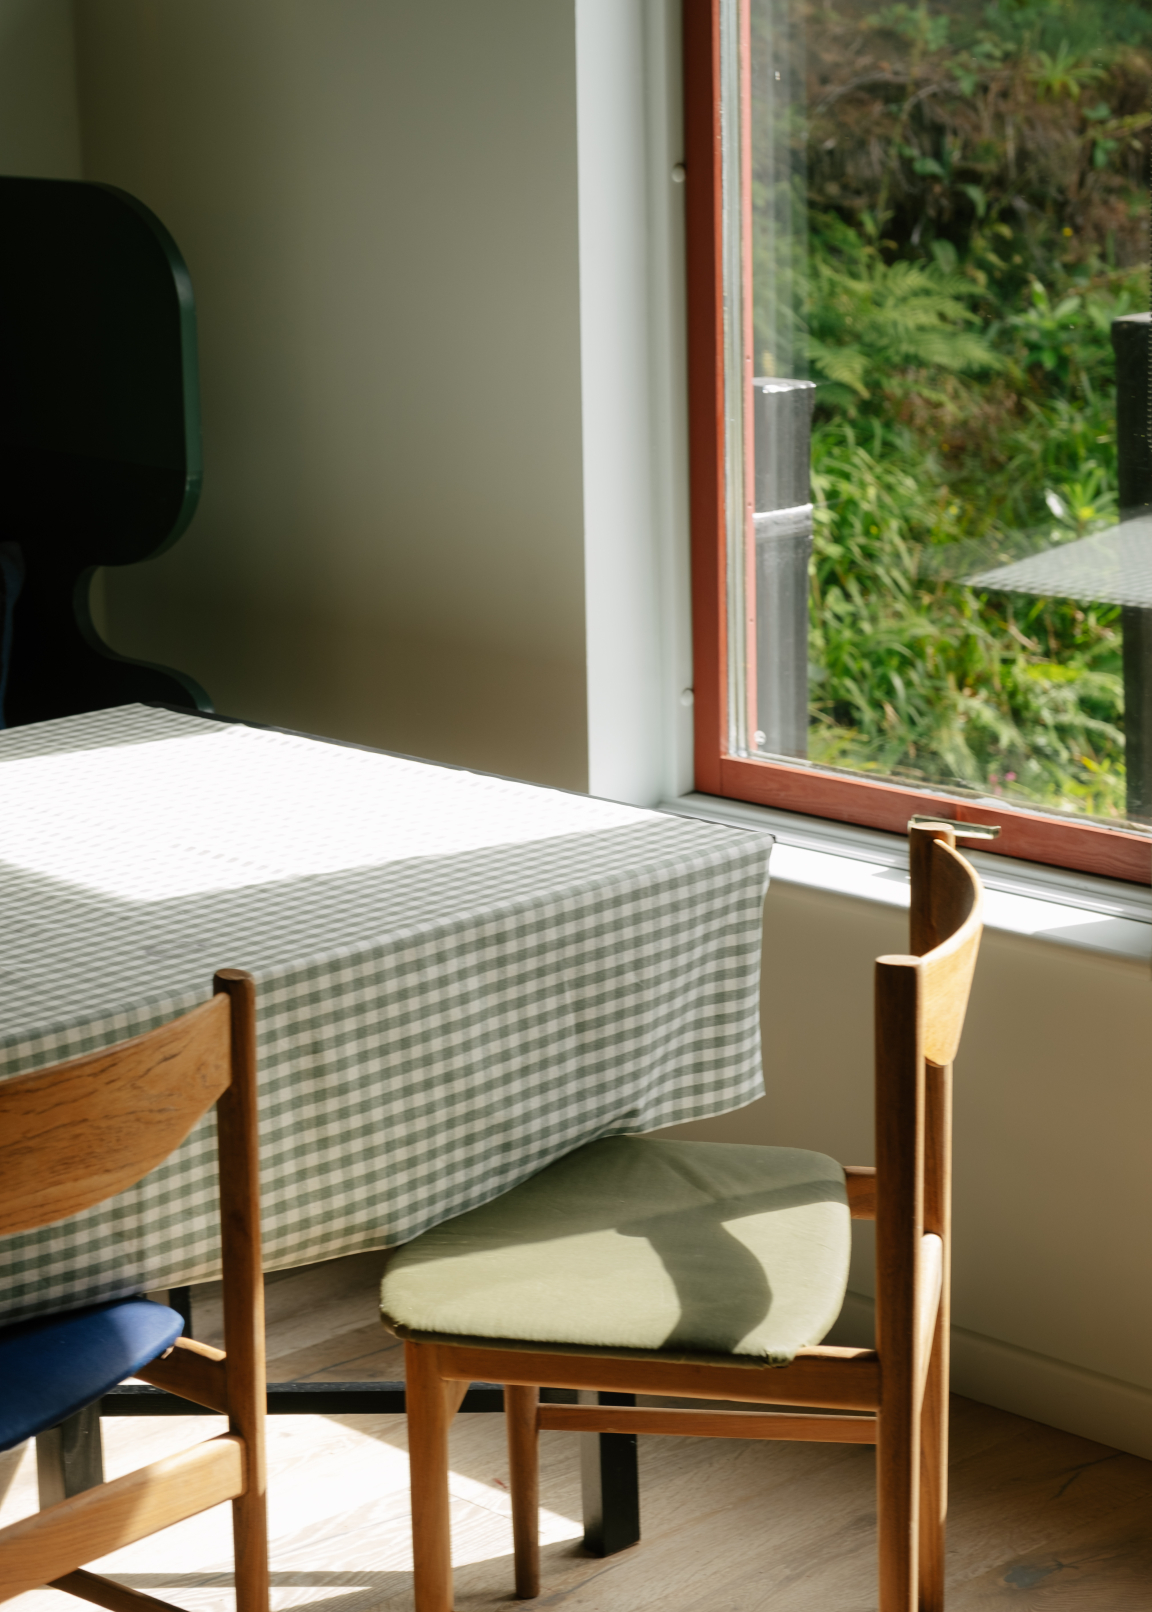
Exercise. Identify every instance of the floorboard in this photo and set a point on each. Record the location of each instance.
(1041, 1521)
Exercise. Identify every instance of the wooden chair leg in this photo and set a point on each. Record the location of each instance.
(934, 1408)
(897, 1503)
(934, 1472)
(520, 1407)
(250, 1544)
(237, 1127)
(428, 1421)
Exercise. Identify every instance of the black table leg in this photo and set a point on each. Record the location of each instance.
(610, 1484)
(180, 1300)
(70, 1456)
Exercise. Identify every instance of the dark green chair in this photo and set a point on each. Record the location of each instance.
(99, 436)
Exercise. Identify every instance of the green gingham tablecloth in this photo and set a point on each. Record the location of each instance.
(460, 978)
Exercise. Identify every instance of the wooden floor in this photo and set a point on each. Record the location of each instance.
(1040, 1520)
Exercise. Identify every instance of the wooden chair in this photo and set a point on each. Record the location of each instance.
(504, 1293)
(71, 1136)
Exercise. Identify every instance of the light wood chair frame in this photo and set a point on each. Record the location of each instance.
(104, 1121)
(894, 1396)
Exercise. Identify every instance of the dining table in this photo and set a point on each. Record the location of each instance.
(459, 977)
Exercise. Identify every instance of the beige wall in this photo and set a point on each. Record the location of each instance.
(39, 123)
(377, 202)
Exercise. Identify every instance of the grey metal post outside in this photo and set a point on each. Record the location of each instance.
(782, 416)
(1130, 341)
(1136, 625)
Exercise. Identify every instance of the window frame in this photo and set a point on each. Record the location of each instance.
(1029, 835)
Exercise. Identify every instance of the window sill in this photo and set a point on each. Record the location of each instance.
(1104, 916)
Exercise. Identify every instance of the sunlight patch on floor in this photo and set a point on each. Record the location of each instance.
(338, 1513)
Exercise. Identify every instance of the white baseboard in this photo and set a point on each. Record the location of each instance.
(1029, 1384)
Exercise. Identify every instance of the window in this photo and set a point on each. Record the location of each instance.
(917, 264)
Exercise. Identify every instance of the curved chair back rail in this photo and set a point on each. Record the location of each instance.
(107, 1118)
(947, 920)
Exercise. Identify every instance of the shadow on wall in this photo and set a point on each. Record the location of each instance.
(356, 678)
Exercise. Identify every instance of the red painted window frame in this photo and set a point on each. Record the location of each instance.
(1032, 836)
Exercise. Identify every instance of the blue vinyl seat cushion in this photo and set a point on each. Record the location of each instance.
(54, 1365)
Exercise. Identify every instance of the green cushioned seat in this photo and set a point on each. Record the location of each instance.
(636, 1243)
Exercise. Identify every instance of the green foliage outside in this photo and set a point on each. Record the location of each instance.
(972, 183)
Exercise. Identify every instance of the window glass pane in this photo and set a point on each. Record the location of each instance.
(943, 216)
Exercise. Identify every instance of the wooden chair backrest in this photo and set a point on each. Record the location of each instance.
(946, 920)
(921, 1001)
(82, 1131)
